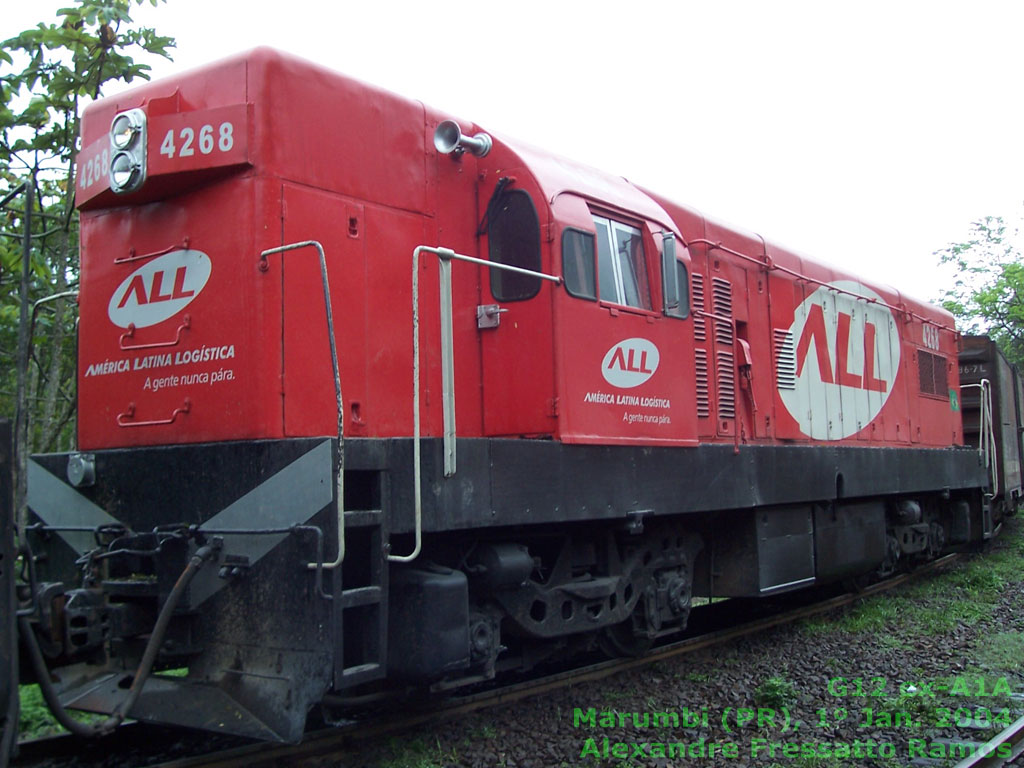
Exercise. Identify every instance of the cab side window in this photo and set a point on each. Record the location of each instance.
(513, 236)
(674, 280)
(578, 264)
(622, 268)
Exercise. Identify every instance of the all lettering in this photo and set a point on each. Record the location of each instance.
(137, 288)
(814, 333)
(626, 361)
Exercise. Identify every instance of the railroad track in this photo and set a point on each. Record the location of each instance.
(335, 739)
(1001, 750)
(321, 743)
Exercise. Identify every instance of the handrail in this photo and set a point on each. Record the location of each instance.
(339, 480)
(133, 256)
(446, 255)
(770, 265)
(986, 434)
(45, 300)
(186, 324)
(124, 418)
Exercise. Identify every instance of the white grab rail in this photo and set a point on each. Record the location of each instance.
(339, 480)
(986, 432)
(446, 256)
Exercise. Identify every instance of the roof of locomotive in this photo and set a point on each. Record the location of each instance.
(209, 91)
(558, 176)
(197, 88)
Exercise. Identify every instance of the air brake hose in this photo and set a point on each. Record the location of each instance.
(156, 639)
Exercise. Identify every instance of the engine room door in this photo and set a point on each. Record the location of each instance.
(309, 406)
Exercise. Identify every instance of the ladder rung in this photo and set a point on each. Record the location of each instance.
(351, 598)
(362, 518)
(362, 673)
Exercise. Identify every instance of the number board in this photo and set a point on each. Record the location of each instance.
(93, 167)
(183, 141)
(205, 138)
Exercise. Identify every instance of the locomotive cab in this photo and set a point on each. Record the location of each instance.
(623, 330)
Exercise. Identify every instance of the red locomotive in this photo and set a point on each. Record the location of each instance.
(539, 408)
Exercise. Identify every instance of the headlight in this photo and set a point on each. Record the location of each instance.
(128, 151)
(124, 172)
(124, 129)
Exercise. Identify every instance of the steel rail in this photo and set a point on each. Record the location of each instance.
(989, 755)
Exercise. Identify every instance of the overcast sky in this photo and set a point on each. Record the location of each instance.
(866, 134)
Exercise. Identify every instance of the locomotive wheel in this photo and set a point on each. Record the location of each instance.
(892, 556)
(620, 640)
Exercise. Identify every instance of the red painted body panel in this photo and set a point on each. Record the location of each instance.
(208, 353)
(777, 348)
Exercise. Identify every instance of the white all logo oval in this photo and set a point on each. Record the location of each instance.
(159, 289)
(630, 363)
(838, 361)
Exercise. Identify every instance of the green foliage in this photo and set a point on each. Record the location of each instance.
(1003, 651)
(91, 45)
(46, 74)
(418, 753)
(34, 718)
(966, 594)
(775, 692)
(987, 296)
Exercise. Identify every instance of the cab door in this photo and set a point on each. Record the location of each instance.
(624, 344)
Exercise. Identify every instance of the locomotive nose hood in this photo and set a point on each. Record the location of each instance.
(187, 335)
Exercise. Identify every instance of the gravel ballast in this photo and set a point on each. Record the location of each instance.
(911, 677)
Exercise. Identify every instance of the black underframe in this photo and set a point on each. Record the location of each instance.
(503, 482)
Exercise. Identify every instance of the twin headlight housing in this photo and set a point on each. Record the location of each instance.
(128, 151)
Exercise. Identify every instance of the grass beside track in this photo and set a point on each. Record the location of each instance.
(938, 603)
(35, 718)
